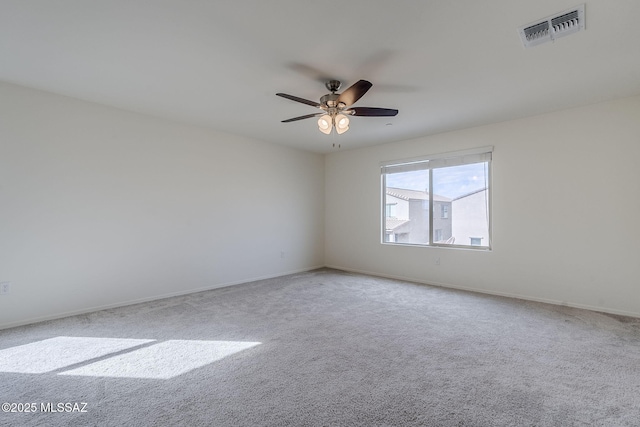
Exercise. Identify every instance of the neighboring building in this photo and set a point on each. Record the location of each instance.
(471, 226)
(407, 216)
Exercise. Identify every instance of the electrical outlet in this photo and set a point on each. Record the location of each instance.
(5, 288)
(437, 261)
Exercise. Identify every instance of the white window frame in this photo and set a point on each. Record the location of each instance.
(456, 158)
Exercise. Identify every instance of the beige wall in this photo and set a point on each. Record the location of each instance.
(566, 210)
(102, 207)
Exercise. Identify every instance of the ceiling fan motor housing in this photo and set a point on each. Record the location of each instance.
(330, 100)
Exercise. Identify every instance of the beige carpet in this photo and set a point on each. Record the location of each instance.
(325, 348)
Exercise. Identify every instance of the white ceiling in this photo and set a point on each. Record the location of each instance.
(444, 64)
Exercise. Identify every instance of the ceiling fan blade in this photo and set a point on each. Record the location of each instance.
(373, 112)
(312, 72)
(354, 92)
(308, 116)
(297, 99)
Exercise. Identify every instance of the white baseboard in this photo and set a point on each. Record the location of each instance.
(489, 292)
(336, 267)
(147, 299)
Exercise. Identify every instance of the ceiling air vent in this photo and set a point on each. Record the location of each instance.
(553, 27)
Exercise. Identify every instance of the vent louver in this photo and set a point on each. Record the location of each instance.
(553, 27)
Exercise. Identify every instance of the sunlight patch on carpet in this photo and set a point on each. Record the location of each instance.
(59, 352)
(164, 360)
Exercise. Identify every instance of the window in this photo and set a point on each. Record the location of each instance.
(440, 200)
(391, 210)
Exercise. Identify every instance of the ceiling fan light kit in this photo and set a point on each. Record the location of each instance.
(335, 107)
(325, 124)
(341, 123)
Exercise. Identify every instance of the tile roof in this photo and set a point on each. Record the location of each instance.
(393, 223)
(406, 194)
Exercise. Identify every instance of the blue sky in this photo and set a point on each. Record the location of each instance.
(449, 182)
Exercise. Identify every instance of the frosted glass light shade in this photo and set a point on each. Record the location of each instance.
(325, 124)
(342, 123)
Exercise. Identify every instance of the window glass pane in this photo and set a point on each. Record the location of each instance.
(456, 212)
(467, 189)
(407, 207)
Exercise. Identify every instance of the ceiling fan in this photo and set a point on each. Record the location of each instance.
(336, 108)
